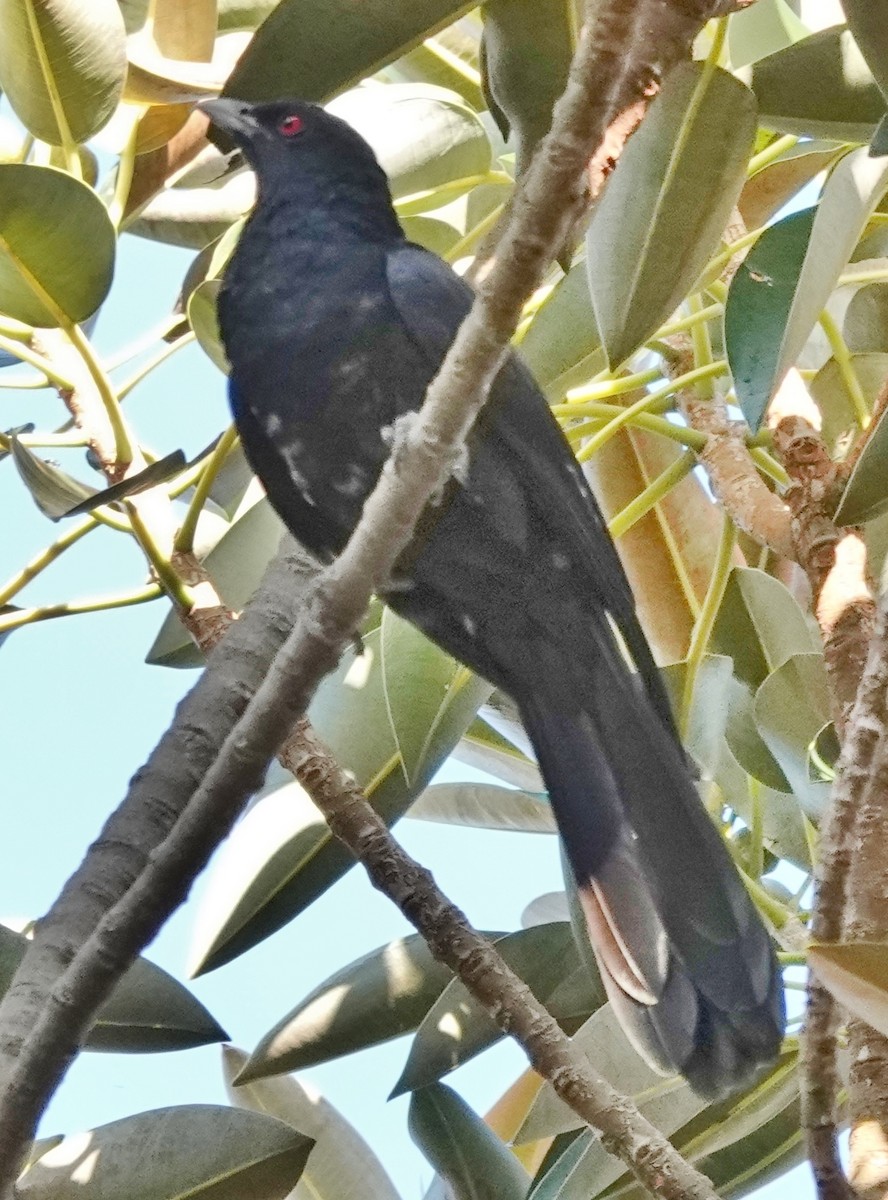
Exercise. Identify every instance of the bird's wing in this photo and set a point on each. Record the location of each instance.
(519, 432)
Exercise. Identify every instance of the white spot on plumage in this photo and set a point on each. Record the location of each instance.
(272, 424)
(469, 625)
(560, 561)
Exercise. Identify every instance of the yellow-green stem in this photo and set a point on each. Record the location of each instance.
(848, 375)
(645, 404)
(792, 958)
(419, 202)
(702, 344)
(603, 389)
(706, 620)
(652, 494)
(756, 829)
(461, 248)
(123, 449)
(768, 465)
(861, 278)
(26, 355)
(710, 313)
(185, 537)
(48, 612)
(173, 584)
(46, 556)
(682, 434)
(771, 153)
(125, 166)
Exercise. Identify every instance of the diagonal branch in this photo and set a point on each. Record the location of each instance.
(627, 45)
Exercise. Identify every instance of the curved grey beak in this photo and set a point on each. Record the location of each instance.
(233, 116)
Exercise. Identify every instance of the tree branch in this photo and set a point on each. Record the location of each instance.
(624, 49)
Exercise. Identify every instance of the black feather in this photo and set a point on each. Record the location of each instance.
(334, 326)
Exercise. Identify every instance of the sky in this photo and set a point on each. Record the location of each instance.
(81, 711)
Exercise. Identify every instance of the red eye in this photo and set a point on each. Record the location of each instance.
(290, 126)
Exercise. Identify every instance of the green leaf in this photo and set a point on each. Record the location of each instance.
(282, 856)
(378, 997)
(857, 975)
(563, 332)
(784, 283)
(763, 28)
(830, 393)
(868, 22)
(203, 1150)
(791, 707)
(866, 495)
(759, 625)
(528, 47)
(43, 213)
(485, 806)
(436, 235)
(62, 66)
(294, 54)
(709, 707)
(423, 136)
(745, 742)
(204, 321)
(194, 216)
(236, 564)
(53, 490)
(819, 87)
(866, 319)
(147, 1012)
(758, 310)
(462, 1149)
(341, 1165)
(667, 204)
(457, 1027)
(773, 186)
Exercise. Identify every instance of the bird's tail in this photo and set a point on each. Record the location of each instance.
(685, 959)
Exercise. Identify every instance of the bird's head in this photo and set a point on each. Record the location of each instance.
(293, 137)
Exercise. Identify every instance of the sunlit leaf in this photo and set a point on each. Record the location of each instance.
(857, 975)
(341, 1165)
(194, 1150)
(62, 65)
(43, 213)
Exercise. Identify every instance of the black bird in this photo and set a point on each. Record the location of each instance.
(334, 325)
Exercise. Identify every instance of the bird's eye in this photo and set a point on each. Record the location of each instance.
(290, 126)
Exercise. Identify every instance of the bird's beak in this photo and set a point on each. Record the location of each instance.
(231, 115)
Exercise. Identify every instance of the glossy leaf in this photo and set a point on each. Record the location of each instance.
(818, 87)
(195, 216)
(829, 392)
(483, 747)
(857, 975)
(341, 1165)
(462, 1149)
(457, 1027)
(791, 707)
(528, 47)
(758, 311)
(316, 66)
(380, 996)
(868, 22)
(62, 65)
(423, 136)
(203, 320)
(762, 29)
(667, 204)
(53, 490)
(43, 213)
(485, 806)
(783, 285)
(759, 625)
(770, 188)
(194, 1150)
(236, 564)
(282, 856)
(147, 1012)
(866, 494)
(563, 331)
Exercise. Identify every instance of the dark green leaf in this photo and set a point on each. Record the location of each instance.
(866, 493)
(866, 319)
(157, 472)
(528, 47)
(819, 87)
(380, 996)
(667, 204)
(759, 625)
(196, 1150)
(293, 53)
(462, 1149)
(868, 21)
(148, 1011)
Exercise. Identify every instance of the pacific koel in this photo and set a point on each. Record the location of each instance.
(334, 325)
